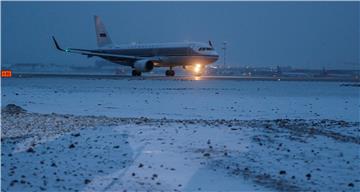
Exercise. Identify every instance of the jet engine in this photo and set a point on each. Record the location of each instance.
(144, 65)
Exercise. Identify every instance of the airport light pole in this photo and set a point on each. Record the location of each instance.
(224, 48)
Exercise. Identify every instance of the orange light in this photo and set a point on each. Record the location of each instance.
(197, 68)
(6, 73)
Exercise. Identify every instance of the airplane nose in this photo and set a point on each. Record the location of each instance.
(216, 55)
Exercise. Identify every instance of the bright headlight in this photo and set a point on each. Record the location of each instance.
(197, 68)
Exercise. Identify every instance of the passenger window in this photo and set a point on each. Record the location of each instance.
(206, 49)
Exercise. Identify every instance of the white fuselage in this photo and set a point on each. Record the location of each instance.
(167, 54)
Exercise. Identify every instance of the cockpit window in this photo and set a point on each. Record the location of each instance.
(205, 49)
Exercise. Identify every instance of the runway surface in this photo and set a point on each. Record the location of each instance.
(95, 133)
(160, 77)
(183, 97)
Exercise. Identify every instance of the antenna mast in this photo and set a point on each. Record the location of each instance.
(224, 48)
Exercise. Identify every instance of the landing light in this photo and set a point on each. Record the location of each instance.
(197, 68)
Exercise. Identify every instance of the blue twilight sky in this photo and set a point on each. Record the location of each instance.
(298, 34)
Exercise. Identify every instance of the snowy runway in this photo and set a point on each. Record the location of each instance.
(184, 99)
(115, 135)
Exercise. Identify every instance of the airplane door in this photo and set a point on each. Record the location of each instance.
(190, 49)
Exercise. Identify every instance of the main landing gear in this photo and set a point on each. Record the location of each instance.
(136, 73)
(170, 72)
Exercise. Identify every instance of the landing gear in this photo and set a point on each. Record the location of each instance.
(170, 73)
(136, 73)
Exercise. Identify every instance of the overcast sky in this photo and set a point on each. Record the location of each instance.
(298, 34)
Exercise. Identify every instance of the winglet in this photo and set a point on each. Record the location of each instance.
(57, 45)
(210, 43)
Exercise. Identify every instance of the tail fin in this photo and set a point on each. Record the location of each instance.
(102, 37)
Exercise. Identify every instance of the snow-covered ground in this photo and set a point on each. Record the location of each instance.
(135, 134)
(183, 99)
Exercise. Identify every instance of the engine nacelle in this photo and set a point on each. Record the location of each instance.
(144, 65)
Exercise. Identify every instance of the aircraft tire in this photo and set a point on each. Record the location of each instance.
(135, 73)
(170, 73)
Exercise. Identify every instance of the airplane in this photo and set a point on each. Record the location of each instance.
(192, 56)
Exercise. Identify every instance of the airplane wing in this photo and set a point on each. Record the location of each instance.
(91, 53)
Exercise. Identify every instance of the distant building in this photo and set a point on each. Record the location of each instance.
(278, 71)
(38, 68)
(324, 72)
